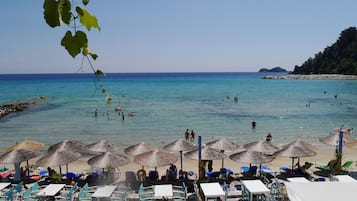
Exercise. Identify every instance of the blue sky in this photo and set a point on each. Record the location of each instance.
(177, 35)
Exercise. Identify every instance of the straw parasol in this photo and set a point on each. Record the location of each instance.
(139, 149)
(180, 145)
(108, 159)
(16, 156)
(102, 146)
(58, 158)
(352, 145)
(296, 149)
(72, 145)
(28, 145)
(155, 158)
(223, 145)
(262, 146)
(251, 156)
(207, 153)
(333, 139)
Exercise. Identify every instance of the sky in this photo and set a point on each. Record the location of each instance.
(176, 35)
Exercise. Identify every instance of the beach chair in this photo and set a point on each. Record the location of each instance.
(8, 195)
(83, 195)
(146, 193)
(27, 195)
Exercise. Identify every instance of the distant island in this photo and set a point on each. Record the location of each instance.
(339, 58)
(273, 70)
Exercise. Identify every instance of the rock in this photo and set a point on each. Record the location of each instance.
(19, 106)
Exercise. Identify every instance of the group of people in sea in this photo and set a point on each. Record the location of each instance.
(190, 136)
(121, 113)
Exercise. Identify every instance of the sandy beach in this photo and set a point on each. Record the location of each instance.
(325, 154)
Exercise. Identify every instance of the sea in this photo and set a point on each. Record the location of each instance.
(213, 105)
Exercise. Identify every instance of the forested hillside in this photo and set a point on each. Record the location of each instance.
(339, 58)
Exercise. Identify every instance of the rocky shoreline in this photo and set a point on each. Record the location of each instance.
(311, 77)
(20, 106)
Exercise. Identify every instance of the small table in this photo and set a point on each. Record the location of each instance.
(163, 191)
(212, 190)
(104, 192)
(297, 179)
(254, 187)
(50, 191)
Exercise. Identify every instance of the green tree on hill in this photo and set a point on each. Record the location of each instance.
(339, 58)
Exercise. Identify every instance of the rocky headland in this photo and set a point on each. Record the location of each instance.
(311, 77)
(20, 106)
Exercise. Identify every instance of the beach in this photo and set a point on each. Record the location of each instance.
(325, 153)
(214, 105)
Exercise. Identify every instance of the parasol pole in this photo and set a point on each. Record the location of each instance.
(200, 173)
(222, 151)
(340, 142)
(181, 161)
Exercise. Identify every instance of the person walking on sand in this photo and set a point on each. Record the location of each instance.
(192, 136)
(187, 134)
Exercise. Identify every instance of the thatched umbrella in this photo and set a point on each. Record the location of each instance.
(333, 139)
(58, 158)
(180, 145)
(223, 145)
(27, 144)
(155, 158)
(262, 146)
(102, 146)
(67, 145)
(16, 156)
(297, 149)
(207, 153)
(108, 160)
(250, 156)
(352, 145)
(139, 148)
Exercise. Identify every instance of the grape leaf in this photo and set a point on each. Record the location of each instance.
(65, 11)
(74, 44)
(99, 72)
(85, 2)
(87, 19)
(51, 14)
(56, 12)
(87, 51)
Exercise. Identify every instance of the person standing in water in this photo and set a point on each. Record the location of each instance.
(254, 123)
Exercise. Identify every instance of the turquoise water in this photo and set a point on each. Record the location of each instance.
(166, 104)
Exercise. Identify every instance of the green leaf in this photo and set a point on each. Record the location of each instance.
(51, 13)
(99, 72)
(85, 2)
(65, 11)
(87, 51)
(87, 19)
(74, 44)
(56, 12)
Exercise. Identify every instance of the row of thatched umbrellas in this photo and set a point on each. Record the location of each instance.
(148, 155)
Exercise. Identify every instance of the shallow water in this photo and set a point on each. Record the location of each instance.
(166, 104)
